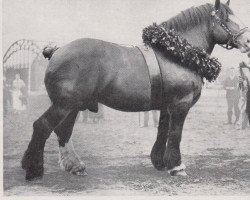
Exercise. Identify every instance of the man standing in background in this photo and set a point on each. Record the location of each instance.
(244, 90)
(146, 119)
(232, 95)
(6, 96)
(17, 102)
(248, 94)
(244, 83)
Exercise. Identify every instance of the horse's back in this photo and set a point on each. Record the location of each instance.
(86, 51)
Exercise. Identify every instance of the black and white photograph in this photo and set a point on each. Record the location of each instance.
(126, 98)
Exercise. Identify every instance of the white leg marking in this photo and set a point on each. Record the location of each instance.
(70, 161)
(178, 170)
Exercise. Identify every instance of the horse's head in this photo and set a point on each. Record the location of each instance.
(226, 30)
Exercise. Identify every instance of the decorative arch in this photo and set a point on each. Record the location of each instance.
(20, 57)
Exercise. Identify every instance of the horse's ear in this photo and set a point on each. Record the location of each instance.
(217, 4)
(228, 2)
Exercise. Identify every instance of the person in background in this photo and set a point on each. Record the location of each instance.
(6, 96)
(24, 96)
(245, 89)
(248, 103)
(231, 85)
(146, 119)
(248, 94)
(244, 83)
(17, 85)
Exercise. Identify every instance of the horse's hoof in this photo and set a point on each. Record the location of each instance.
(79, 169)
(178, 171)
(80, 173)
(159, 166)
(156, 157)
(33, 166)
(32, 175)
(72, 164)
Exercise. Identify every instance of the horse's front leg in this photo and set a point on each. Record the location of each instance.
(159, 147)
(172, 156)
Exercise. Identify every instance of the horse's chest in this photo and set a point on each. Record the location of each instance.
(180, 84)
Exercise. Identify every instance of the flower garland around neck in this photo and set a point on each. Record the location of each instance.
(173, 45)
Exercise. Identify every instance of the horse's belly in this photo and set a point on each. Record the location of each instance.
(129, 87)
(128, 93)
(132, 101)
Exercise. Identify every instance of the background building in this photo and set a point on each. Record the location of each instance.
(25, 57)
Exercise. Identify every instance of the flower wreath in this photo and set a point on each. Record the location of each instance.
(173, 45)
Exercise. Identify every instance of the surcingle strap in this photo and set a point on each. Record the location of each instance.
(155, 76)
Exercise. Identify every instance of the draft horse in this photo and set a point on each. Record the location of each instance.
(87, 71)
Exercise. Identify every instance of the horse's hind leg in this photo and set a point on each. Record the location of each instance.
(32, 160)
(159, 147)
(68, 159)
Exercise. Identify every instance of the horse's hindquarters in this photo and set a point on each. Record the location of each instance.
(88, 71)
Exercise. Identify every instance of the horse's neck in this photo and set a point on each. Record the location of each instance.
(200, 36)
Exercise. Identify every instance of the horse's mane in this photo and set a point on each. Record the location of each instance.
(195, 16)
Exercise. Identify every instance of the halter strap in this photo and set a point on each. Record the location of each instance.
(232, 36)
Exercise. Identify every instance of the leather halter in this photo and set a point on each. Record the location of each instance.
(232, 36)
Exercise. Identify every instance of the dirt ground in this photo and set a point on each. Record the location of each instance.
(116, 153)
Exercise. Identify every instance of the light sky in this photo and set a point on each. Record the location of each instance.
(119, 21)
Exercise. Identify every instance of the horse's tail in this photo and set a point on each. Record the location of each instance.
(48, 51)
